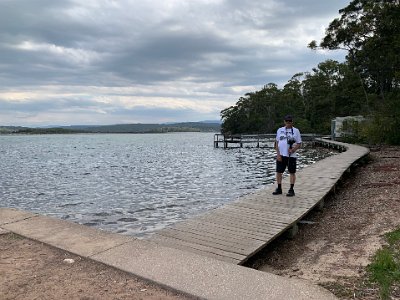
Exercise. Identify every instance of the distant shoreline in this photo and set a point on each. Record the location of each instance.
(117, 128)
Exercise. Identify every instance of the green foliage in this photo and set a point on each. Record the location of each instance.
(373, 131)
(118, 128)
(384, 125)
(369, 31)
(353, 131)
(385, 267)
(13, 236)
(305, 125)
(393, 237)
(367, 84)
(255, 113)
(382, 271)
(314, 98)
(154, 128)
(11, 129)
(391, 117)
(26, 130)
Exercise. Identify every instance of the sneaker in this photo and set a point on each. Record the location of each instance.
(277, 192)
(290, 193)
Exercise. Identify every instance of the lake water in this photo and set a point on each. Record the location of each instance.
(130, 183)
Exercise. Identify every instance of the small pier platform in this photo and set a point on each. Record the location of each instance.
(252, 140)
(236, 231)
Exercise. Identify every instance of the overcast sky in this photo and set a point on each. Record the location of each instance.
(71, 62)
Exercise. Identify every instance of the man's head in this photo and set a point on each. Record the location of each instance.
(288, 121)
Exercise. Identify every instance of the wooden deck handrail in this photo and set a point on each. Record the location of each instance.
(241, 139)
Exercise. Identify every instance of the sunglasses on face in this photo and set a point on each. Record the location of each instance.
(289, 121)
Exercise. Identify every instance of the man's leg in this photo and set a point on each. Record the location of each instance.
(292, 178)
(278, 190)
(292, 172)
(280, 168)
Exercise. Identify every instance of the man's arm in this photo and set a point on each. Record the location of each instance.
(295, 148)
(297, 145)
(278, 154)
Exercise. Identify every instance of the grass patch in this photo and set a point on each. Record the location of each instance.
(339, 289)
(385, 267)
(13, 236)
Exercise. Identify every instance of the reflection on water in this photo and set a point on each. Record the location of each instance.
(130, 183)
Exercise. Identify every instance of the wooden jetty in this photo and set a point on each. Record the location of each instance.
(236, 231)
(251, 140)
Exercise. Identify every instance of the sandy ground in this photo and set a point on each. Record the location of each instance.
(32, 270)
(335, 245)
(332, 249)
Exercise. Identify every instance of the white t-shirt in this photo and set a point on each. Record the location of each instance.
(282, 136)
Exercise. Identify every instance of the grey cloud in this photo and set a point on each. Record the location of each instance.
(157, 54)
(168, 115)
(132, 42)
(314, 8)
(38, 20)
(167, 56)
(51, 104)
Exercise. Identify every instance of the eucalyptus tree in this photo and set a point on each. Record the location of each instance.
(234, 118)
(267, 107)
(370, 31)
(318, 95)
(292, 96)
(256, 112)
(349, 95)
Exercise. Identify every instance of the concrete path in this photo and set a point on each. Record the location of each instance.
(189, 273)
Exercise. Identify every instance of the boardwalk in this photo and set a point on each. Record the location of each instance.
(252, 140)
(238, 230)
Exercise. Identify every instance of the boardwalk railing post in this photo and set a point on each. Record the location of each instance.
(320, 205)
(292, 231)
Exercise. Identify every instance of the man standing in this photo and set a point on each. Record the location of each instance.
(288, 141)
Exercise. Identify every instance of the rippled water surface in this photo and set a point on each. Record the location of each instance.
(129, 183)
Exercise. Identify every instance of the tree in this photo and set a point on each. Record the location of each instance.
(368, 83)
(370, 31)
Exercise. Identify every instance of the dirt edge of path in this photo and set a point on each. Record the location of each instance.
(334, 246)
(33, 270)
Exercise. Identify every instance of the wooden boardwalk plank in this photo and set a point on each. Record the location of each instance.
(240, 221)
(220, 230)
(198, 249)
(229, 240)
(236, 231)
(248, 217)
(268, 212)
(205, 248)
(261, 212)
(207, 241)
(219, 234)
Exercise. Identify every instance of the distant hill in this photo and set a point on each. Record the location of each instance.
(118, 128)
(10, 129)
(29, 130)
(150, 128)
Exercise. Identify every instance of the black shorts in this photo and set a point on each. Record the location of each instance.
(290, 162)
